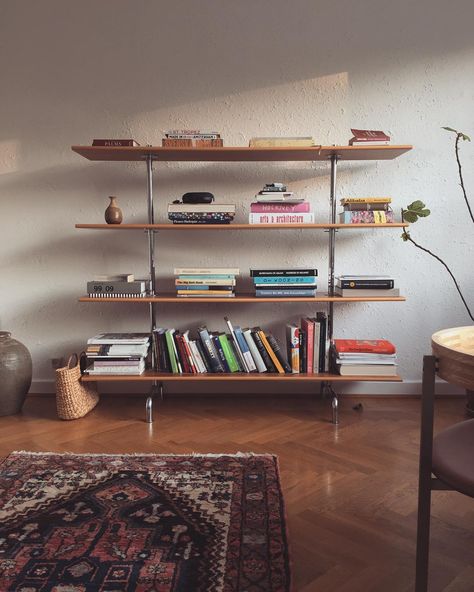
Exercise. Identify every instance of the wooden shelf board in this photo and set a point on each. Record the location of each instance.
(238, 377)
(242, 298)
(240, 154)
(184, 227)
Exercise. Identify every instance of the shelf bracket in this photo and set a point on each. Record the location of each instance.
(326, 387)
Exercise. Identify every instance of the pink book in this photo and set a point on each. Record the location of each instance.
(263, 208)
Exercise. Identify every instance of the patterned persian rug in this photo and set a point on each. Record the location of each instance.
(115, 523)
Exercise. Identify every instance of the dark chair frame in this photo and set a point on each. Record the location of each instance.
(427, 482)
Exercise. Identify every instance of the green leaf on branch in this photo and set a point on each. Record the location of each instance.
(462, 135)
(405, 236)
(415, 210)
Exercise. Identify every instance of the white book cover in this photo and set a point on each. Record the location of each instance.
(282, 218)
(254, 351)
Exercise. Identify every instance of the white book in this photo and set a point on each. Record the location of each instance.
(206, 271)
(243, 362)
(282, 218)
(197, 356)
(254, 351)
(192, 360)
(278, 198)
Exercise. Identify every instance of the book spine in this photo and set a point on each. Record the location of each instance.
(114, 143)
(284, 218)
(283, 280)
(365, 200)
(308, 328)
(197, 356)
(171, 352)
(366, 284)
(284, 272)
(262, 351)
(360, 207)
(271, 353)
(205, 358)
(208, 282)
(212, 354)
(276, 208)
(206, 271)
(173, 136)
(182, 354)
(316, 345)
(236, 353)
(220, 353)
(285, 293)
(303, 366)
(278, 353)
(244, 348)
(323, 347)
(172, 143)
(189, 352)
(228, 353)
(165, 357)
(293, 347)
(254, 351)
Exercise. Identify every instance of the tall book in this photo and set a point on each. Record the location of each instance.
(293, 347)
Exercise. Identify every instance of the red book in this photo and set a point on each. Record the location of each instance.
(275, 208)
(307, 326)
(364, 346)
(368, 136)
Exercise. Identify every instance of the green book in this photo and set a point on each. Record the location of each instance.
(228, 353)
(170, 346)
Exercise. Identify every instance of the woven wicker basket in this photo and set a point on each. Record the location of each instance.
(73, 398)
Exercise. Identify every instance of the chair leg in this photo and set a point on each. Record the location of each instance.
(423, 537)
(424, 483)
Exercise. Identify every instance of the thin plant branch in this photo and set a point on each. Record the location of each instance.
(406, 236)
(456, 148)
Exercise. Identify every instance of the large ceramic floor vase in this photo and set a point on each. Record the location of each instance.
(15, 374)
(454, 349)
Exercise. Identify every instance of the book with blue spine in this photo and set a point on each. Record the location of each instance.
(285, 279)
(285, 293)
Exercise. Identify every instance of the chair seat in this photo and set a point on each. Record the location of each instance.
(453, 456)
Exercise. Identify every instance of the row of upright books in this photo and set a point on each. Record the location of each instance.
(366, 210)
(199, 282)
(238, 350)
(271, 282)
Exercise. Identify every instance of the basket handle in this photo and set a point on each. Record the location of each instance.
(71, 357)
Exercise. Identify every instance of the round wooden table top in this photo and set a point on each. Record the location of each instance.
(454, 349)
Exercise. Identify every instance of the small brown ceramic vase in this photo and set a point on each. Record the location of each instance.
(113, 214)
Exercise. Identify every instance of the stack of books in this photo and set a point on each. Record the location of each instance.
(307, 345)
(366, 210)
(238, 350)
(118, 286)
(369, 138)
(282, 142)
(284, 282)
(201, 213)
(207, 282)
(352, 286)
(364, 357)
(188, 138)
(117, 353)
(276, 205)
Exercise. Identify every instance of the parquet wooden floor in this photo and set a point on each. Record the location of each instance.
(350, 491)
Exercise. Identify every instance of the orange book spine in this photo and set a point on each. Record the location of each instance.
(271, 353)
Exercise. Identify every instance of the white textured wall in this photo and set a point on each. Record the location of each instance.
(72, 71)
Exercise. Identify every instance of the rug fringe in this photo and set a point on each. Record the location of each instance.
(207, 454)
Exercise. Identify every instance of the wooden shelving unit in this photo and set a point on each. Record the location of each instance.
(240, 299)
(151, 154)
(148, 376)
(228, 227)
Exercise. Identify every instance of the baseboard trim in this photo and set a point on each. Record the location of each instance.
(385, 389)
